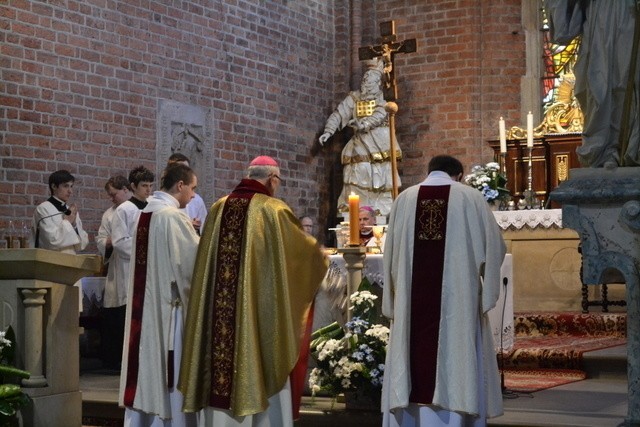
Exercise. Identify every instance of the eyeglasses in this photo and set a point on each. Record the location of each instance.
(279, 179)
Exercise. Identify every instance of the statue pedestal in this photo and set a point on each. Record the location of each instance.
(38, 299)
(603, 206)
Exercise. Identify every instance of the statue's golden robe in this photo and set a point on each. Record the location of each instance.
(279, 269)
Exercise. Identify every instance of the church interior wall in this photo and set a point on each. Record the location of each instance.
(465, 75)
(82, 82)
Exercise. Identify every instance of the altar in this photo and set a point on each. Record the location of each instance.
(546, 261)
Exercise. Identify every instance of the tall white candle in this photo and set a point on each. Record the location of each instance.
(529, 129)
(503, 136)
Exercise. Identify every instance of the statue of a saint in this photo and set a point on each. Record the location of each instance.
(366, 158)
(609, 98)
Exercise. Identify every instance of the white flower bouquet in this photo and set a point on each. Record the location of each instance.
(350, 358)
(489, 181)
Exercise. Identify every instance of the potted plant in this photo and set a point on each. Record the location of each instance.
(351, 359)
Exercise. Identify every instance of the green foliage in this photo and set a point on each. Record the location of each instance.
(12, 398)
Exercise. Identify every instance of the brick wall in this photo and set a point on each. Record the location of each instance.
(464, 76)
(82, 81)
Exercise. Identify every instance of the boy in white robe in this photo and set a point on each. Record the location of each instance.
(164, 251)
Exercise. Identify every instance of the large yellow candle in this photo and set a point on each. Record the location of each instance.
(354, 214)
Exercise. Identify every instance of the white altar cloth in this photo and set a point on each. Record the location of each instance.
(532, 218)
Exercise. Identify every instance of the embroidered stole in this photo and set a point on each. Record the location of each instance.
(226, 277)
(426, 289)
(137, 305)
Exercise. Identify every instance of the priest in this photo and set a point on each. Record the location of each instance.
(164, 248)
(256, 275)
(442, 275)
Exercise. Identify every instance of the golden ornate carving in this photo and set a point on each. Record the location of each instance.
(562, 167)
(365, 108)
(379, 157)
(563, 116)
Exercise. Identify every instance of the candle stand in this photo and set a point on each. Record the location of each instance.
(503, 168)
(503, 163)
(529, 195)
(354, 260)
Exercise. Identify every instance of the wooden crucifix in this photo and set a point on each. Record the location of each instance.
(387, 49)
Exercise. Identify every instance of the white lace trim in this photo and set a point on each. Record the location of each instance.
(534, 218)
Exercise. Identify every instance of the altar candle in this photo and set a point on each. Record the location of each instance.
(529, 130)
(354, 218)
(503, 136)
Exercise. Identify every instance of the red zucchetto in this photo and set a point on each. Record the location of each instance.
(263, 161)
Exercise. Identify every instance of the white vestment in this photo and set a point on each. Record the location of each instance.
(467, 384)
(115, 288)
(123, 227)
(56, 233)
(171, 256)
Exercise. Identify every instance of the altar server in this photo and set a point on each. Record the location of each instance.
(115, 288)
(164, 250)
(256, 275)
(57, 225)
(442, 275)
(125, 217)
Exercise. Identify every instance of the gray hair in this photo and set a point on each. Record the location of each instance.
(262, 172)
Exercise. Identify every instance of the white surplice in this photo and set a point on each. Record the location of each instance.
(123, 225)
(171, 255)
(467, 381)
(115, 288)
(56, 233)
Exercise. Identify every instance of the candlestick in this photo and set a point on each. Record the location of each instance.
(503, 136)
(529, 129)
(354, 214)
(529, 195)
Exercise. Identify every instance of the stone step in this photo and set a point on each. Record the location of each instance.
(607, 363)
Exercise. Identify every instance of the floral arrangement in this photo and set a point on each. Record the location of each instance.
(351, 358)
(12, 398)
(489, 181)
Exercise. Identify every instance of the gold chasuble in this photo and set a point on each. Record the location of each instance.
(255, 278)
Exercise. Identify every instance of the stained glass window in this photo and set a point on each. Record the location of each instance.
(558, 63)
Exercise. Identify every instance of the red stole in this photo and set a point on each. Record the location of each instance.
(225, 278)
(426, 289)
(137, 305)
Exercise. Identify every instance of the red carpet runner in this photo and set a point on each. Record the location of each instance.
(549, 347)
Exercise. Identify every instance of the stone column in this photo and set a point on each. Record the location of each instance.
(33, 336)
(603, 206)
(354, 259)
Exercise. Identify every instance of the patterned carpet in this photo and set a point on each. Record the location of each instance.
(528, 381)
(549, 347)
